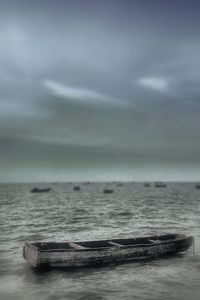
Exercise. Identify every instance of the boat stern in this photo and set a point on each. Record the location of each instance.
(31, 254)
(184, 243)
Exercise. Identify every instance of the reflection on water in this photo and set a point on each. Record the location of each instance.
(132, 210)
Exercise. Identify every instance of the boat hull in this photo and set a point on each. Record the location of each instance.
(37, 190)
(83, 257)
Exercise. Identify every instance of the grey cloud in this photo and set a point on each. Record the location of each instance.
(141, 54)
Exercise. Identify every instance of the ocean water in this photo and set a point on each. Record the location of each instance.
(64, 214)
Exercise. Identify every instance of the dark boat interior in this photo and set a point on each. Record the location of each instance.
(68, 245)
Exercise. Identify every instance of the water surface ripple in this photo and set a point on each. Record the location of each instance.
(64, 214)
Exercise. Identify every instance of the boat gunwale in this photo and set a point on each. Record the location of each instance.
(178, 237)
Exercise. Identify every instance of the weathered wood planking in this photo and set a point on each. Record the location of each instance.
(91, 253)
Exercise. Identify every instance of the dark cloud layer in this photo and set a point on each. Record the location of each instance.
(103, 88)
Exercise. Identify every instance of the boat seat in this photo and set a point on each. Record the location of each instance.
(153, 241)
(115, 244)
(76, 246)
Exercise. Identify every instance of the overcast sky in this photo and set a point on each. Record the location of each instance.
(99, 90)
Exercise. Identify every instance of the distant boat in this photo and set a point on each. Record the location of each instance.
(66, 255)
(197, 185)
(38, 190)
(160, 184)
(146, 184)
(76, 188)
(108, 191)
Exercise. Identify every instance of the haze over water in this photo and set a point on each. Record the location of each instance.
(64, 214)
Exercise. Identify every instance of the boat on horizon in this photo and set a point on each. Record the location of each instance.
(66, 255)
(76, 188)
(108, 191)
(197, 185)
(39, 190)
(160, 184)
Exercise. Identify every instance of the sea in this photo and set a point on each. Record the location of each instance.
(89, 214)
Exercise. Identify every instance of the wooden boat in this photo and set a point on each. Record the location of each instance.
(97, 253)
(197, 185)
(76, 188)
(37, 190)
(160, 184)
(108, 191)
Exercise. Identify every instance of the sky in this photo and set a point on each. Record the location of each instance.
(99, 90)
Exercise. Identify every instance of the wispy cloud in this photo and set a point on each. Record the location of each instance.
(79, 94)
(159, 84)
